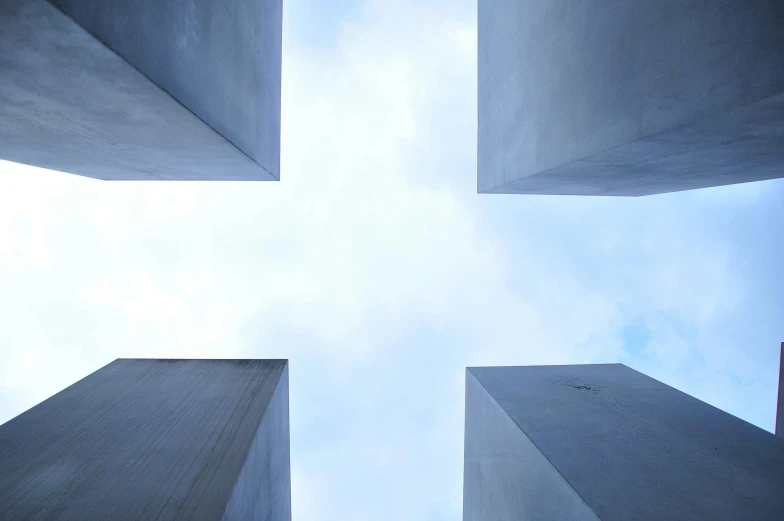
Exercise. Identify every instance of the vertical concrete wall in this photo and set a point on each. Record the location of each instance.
(220, 59)
(69, 103)
(500, 460)
(589, 97)
(629, 446)
(267, 466)
(153, 439)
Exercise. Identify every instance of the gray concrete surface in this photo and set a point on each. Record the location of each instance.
(588, 97)
(220, 59)
(629, 446)
(267, 466)
(780, 403)
(68, 103)
(154, 439)
(500, 461)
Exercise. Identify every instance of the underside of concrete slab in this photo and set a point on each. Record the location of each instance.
(584, 97)
(606, 442)
(154, 439)
(197, 99)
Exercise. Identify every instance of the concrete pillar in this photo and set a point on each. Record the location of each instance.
(154, 439)
(636, 97)
(139, 90)
(604, 442)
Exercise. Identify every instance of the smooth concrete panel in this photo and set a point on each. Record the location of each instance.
(68, 103)
(267, 466)
(219, 58)
(568, 88)
(500, 461)
(151, 439)
(634, 448)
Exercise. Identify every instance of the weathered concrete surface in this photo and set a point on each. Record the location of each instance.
(629, 446)
(587, 97)
(68, 103)
(221, 59)
(154, 439)
(780, 404)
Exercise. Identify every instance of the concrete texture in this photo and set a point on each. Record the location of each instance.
(586, 97)
(606, 442)
(68, 103)
(221, 59)
(780, 405)
(501, 460)
(154, 439)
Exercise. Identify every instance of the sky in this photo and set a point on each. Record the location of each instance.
(376, 268)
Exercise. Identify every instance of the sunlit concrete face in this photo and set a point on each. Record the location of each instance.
(585, 97)
(605, 442)
(154, 439)
(137, 90)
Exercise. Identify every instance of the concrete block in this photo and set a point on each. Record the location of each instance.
(588, 97)
(154, 439)
(180, 90)
(605, 442)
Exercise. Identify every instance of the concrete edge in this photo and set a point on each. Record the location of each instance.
(522, 432)
(282, 381)
(498, 189)
(106, 46)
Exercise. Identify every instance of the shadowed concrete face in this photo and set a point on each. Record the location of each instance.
(606, 442)
(219, 58)
(584, 97)
(154, 439)
(211, 111)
